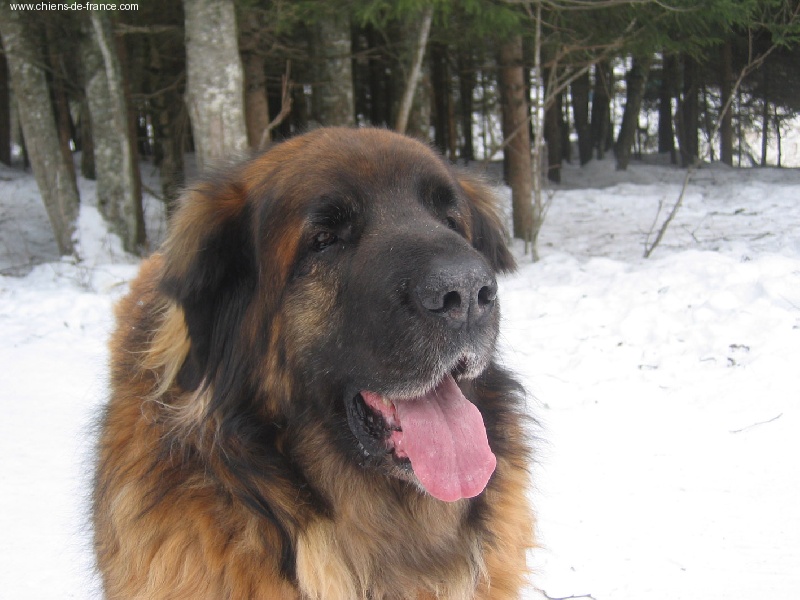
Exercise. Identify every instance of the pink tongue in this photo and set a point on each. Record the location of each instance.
(445, 439)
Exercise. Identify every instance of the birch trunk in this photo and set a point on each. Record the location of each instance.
(55, 176)
(119, 190)
(333, 90)
(214, 86)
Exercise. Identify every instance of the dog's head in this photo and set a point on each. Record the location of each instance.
(350, 274)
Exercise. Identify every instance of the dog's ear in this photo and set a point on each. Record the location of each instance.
(210, 272)
(488, 234)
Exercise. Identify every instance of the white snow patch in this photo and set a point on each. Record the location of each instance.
(666, 389)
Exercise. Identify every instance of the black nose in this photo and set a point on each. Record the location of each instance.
(461, 291)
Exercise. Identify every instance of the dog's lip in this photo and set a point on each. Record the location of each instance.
(465, 366)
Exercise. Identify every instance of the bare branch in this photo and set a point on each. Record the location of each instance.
(575, 597)
(286, 107)
(757, 424)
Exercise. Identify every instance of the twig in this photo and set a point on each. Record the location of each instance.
(574, 597)
(663, 230)
(757, 424)
(153, 193)
(286, 107)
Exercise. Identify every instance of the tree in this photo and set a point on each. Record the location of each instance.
(119, 193)
(54, 172)
(726, 89)
(580, 111)
(252, 40)
(214, 85)
(333, 87)
(636, 80)
(5, 112)
(414, 73)
(516, 136)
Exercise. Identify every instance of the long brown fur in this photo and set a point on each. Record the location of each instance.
(199, 497)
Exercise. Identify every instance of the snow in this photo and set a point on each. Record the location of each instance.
(665, 390)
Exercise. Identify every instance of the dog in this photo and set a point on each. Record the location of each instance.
(304, 400)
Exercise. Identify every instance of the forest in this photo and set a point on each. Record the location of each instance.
(189, 85)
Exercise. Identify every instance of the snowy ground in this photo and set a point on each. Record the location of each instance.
(666, 389)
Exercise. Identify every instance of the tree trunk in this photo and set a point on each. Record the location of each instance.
(601, 108)
(58, 75)
(415, 72)
(333, 89)
(689, 113)
(5, 112)
(440, 80)
(214, 86)
(666, 132)
(251, 47)
(637, 78)
(169, 123)
(55, 176)
(119, 194)
(255, 98)
(87, 142)
(765, 125)
(580, 112)
(516, 136)
(552, 128)
(466, 82)
(726, 89)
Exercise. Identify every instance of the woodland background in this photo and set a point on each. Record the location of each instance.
(186, 85)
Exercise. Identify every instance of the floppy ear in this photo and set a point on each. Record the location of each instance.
(210, 272)
(488, 234)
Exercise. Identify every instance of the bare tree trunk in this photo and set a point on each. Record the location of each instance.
(170, 123)
(441, 96)
(87, 142)
(119, 194)
(255, 98)
(552, 126)
(58, 76)
(214, 86)
(765, 128)
(637, 78)
(414, 72)
(5, 112)
(466, 84)
(251, 46)
(689, 113)
(601, 110)
(666, 132)
(516, 136)
(333, 90)
(55, 176)
(726, 88)
(580, 112)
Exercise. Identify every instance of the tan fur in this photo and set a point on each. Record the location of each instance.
(168, 521)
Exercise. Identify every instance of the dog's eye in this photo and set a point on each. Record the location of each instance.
(323, 239)
(451, 223)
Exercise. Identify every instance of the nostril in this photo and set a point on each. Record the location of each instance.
(487, 295)
(451, 301)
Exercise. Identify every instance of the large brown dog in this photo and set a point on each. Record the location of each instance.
(304, 403)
